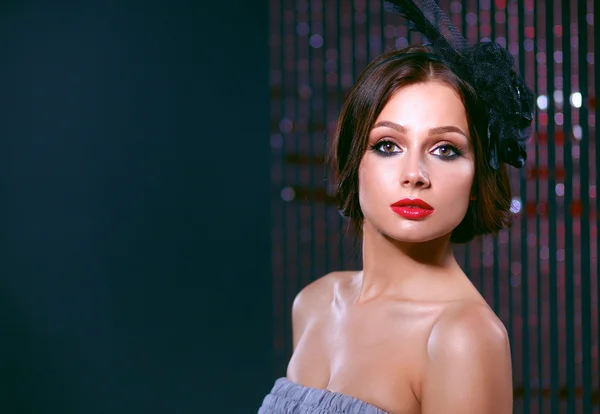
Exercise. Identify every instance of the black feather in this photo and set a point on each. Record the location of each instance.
(488, 68)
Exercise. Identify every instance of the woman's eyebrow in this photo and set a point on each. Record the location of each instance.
(446, 129)
(390, 124)
(432, 131)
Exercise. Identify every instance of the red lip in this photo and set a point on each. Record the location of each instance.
(412, 202)
(412, 208)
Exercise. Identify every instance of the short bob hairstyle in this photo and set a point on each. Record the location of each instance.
(489, 211)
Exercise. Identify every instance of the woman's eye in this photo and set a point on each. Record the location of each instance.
(387, 147)
(446, 151)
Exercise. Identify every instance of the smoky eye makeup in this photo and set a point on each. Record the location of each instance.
(448, 149)
(447, 152)
(444, 150)
(461, 144)
(385, 147)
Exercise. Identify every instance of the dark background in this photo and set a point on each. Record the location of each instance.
(135, 266)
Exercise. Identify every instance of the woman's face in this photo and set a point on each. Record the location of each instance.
(419, 148)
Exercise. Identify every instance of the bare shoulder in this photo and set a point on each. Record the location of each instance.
(469, 367)
(469, 323)
(313, 299)
(318, 293)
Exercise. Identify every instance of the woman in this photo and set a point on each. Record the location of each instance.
(417, 170)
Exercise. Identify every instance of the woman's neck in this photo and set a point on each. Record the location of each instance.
(405, 269)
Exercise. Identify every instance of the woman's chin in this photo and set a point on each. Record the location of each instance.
(416, 235)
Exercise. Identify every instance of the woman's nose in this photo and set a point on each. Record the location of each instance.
(414, 172)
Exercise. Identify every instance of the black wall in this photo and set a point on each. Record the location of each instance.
(134, 210)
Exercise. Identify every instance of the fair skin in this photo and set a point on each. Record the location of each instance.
(409, 333)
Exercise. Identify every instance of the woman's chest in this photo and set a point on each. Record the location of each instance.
(369, 357)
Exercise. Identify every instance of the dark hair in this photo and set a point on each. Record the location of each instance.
(489, 212)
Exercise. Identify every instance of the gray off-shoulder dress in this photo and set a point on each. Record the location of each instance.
(288, 397)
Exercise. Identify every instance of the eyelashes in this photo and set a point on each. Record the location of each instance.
(445, 152)
(385, 148)
(452, 152)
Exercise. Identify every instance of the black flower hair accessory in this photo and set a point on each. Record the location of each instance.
(488, 68)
